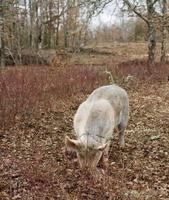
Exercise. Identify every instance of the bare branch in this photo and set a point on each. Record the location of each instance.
(134, 9)
(155, 1)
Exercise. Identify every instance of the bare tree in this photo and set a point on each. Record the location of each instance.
(58, 22)
(149, 19)
(2, 41)
(50, 24)
(163, 30)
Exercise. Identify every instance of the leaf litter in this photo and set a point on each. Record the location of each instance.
(35, 164)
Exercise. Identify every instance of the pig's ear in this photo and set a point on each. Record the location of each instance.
(102, 147)
(72, 144)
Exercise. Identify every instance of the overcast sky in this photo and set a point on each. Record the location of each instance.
(109, 16)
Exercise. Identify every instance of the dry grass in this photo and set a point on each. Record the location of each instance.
(113, 54)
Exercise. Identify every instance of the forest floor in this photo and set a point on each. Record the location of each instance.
(34, 164)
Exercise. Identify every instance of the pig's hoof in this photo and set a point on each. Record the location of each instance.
(105, 164)
(122, 147)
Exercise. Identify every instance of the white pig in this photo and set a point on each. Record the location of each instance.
(106, 107)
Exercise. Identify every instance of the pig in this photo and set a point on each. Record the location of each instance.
(105, 109)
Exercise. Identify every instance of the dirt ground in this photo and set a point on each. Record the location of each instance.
(34, 164)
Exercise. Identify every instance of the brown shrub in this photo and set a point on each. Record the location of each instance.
(22, 90)
(141, 70)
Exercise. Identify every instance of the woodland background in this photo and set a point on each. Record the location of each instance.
(53, 53)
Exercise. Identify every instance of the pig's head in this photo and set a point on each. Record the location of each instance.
(87, 156)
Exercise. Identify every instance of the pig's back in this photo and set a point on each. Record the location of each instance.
(115, 95)
(112, 93)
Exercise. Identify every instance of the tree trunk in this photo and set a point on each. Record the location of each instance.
(151, 32)
(18, 38)
(151, 43)
(163, 31)
(42, 26)
(37, 30)
(65, 31)
(57, 33)
(149, 19)
(26, 27)
(31, 24)
(50, 25)
(58, 24)
(2, 42)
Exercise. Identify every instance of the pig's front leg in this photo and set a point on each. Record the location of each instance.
(105, 156)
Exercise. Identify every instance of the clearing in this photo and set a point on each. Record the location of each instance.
(34, 163)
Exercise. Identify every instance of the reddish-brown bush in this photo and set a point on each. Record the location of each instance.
(141, 70)
(22, 90)
(77, 79)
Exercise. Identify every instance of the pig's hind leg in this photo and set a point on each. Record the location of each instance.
(122, 126)
(121, 129)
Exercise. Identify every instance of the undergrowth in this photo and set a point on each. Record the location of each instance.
(25, 90)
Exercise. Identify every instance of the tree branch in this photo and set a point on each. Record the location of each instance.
(155, 1)
(134, 9)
